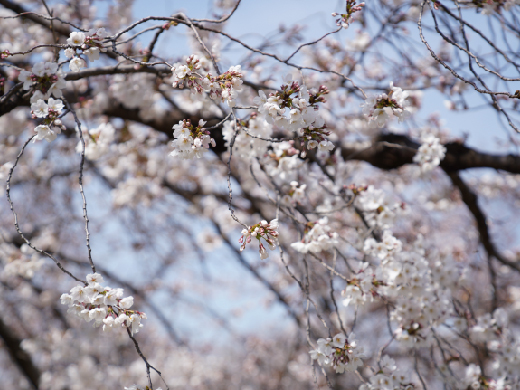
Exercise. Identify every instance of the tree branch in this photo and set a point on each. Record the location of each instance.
(21, 358)
(18, 9)
(390, 151)
(471, 200)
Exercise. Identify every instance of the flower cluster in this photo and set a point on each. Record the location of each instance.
(339, 352)
(388, 378)
(21, 261)
(45, 79)
(224, 86)
(430, 153)
(362, 286)
(384, 249)
(137, 190)
(318, 238)
(377, 209)
(186, 74)
(191, 141)
(382, 108)
(420, 301)
(265, 230)
(351, 8)
(508, 359)
(420, 288)
(296, 194)
(137, 387)
(51, 125)
(501, 342)
(97, 140)
(282, 161)
(295, 108)
(104, 305)
(489, 328)
(248, 142)
(89, 44)
(137, 91)
(473, 378)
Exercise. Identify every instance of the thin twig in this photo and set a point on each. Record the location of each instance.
(16, 225)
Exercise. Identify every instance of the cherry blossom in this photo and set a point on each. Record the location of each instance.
(424, 271)
(103, 305)
(430, 153)
(340, 352)
(268, 231)
(380, 109)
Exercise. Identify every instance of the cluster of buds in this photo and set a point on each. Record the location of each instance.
(104, 305)
(4, 54)
(166, 26)
(89, 44)
(228, 83)
(262, 230)
(285, 97)
(356, 190)
(351, 8)
(291, 96)
(45, 79)
(191, 141)
(316, 97)
(51, 125)
(224, 86)
(338, 352)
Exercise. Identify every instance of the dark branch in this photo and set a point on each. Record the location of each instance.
(471, 200)
(18, 9)
(390, 151)
(21, 358)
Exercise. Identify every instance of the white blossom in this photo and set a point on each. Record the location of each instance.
(98, 303)
(76, 64)
(430, 153)
(76, 38)
(40, 109)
